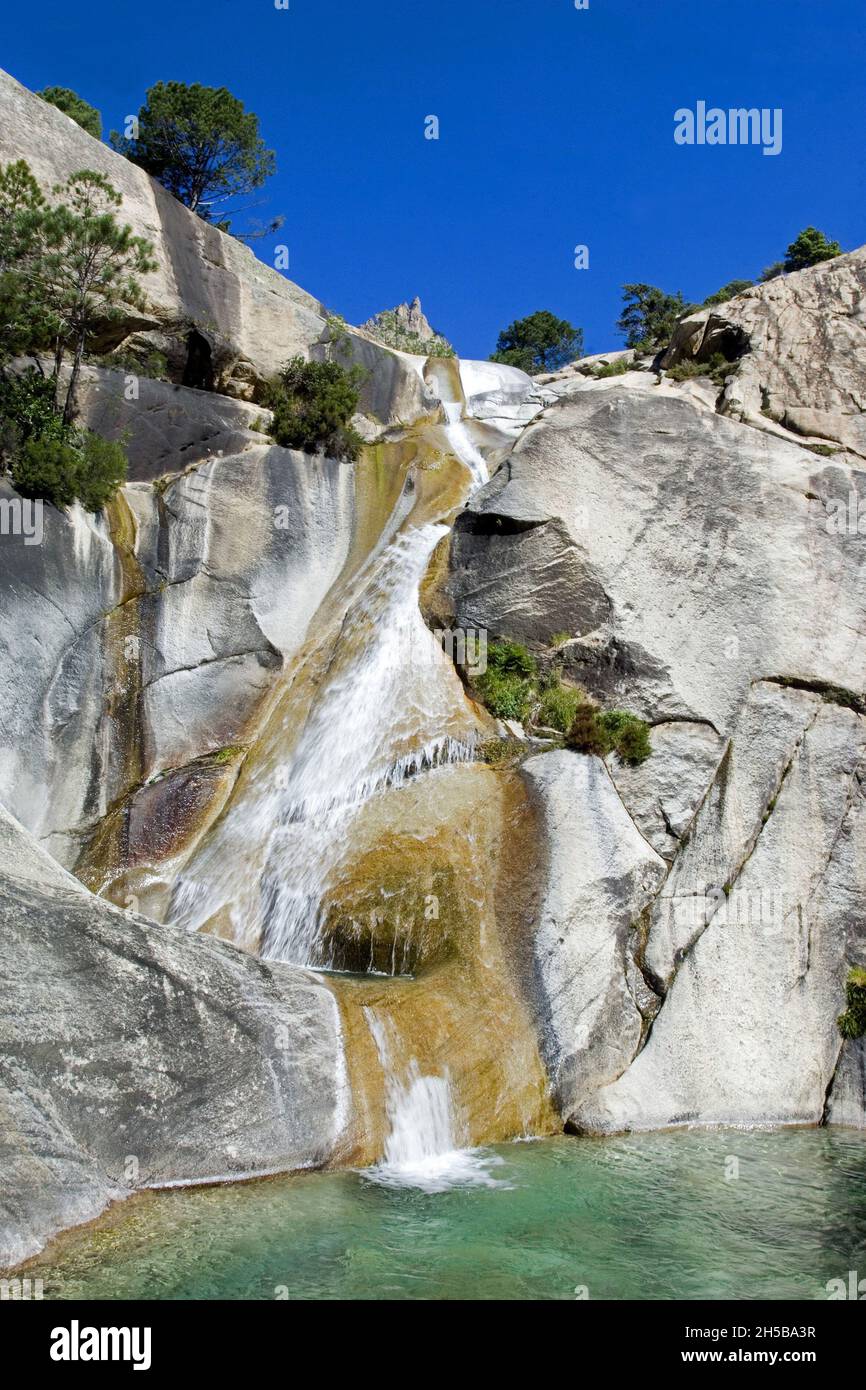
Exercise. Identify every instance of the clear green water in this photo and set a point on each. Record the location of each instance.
(642, 1216)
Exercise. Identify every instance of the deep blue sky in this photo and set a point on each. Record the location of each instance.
(556, 129)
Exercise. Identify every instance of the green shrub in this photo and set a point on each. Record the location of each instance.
(594, 731)
(617, 368)
(71, 104)
(512, 657)
(77, 465)
(51, 460)
(101, 469)
(27, 409)
(47, 467)
(506, 694)
(587, 733)
(729, 291)
(852, 1023)
(558, 706)
(312, 404)
(717, 368)
(810, 248)
(629, 735)
(497, 752)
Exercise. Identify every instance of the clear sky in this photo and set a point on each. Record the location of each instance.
(556, 129)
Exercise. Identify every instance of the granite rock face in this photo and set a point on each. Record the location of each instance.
(688, 555)
(591, 998)
(144, 638)
(135, 1055)
(710, 569)
(804, 337)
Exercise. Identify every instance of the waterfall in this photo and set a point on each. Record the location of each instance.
(385, 704)
(421, 1149)
(384, 686)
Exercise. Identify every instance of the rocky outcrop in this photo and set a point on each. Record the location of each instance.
(407, 328)
(747, 1032)
(165, 428)
(687, 554)
(212, 306)
(803, 340)
(135, 1056)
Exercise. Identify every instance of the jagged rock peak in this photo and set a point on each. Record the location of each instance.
(405, 327)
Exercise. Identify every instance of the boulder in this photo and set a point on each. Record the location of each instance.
(137, 1056)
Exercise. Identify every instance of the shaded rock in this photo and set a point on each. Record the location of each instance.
(166, 428)
(846, 1103)
(135, 1056)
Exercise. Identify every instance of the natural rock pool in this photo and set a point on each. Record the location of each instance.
(730, 1214)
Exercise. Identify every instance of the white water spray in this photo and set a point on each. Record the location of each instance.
(421, 1149)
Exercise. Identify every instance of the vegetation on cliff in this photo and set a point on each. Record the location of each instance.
(852, 1023)
(513, 688)
(201, 144)
(313, 404)
(65, 270)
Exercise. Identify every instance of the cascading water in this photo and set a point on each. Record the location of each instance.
(358, 835)
(383, 685)
(387, 706)
(421, 1149)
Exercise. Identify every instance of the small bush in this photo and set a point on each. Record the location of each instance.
(497, 752)
(558, 706)
(101, 469)
(47, 468)
(629, 736)
(717, 368)
(77, 466)
(71, 104)
(506, 694)
(617, 368)
(612, 731)
(27, 408)
(312, 404)
(587, 733)
(508, 685)
(511, 657)
(852, 1023)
